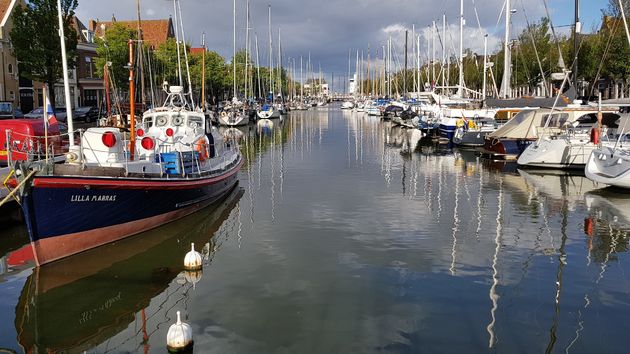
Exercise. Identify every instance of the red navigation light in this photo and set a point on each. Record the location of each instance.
(109, 139)
(169, 132)
(140, 132)
(147, 143)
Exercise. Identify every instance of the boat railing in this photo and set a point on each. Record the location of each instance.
(19, 146)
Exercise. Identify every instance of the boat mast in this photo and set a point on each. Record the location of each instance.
(234, 50)
(203, 72)
(443, 49)
(507, 60)
(485, 67)
(433, 34)
(181, 25)
(301, 82)
(280, 65)
(258, 65)
(66, 83)
(247, 50)
(270, 58)
(576, 32)
(179, 61)
(460, 88)
(141, 55)
(132, 104)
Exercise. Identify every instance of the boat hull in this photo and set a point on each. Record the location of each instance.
(609, 166)
(509, 149)
(68, 215)
(470, 138)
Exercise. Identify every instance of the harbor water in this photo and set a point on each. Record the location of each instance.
(346, 234)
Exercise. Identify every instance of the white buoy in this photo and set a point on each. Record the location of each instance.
(193, 260)
(179, 336)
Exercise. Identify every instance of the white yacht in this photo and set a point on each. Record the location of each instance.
(610, 164)
(571, 148)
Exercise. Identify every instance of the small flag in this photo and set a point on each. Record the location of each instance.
(52, 119)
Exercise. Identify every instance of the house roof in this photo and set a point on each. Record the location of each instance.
(154, 32)
(196, 51)
(6, 8)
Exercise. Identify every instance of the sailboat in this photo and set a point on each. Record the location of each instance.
(115, 185)
(269, 110)
(234, 113)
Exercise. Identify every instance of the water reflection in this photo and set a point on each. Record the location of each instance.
(80, 302)
(351, 236)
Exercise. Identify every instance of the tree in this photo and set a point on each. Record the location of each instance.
(36, 41)
(215, 74)
(114, 48)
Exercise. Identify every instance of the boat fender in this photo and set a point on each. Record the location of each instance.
(595, 135)
(179, 337)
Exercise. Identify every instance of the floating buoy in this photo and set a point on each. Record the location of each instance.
(179, 337)
(192, 261)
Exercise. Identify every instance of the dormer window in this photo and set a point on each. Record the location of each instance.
(10, 69)
(88, 36)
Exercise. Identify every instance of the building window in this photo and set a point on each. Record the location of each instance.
(10, 69)
(11, 95)
(89, 67)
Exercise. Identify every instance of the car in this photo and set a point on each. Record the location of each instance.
(60, 113)
(8, 112)
(86, 113)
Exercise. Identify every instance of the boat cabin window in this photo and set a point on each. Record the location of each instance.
(555, 119)
(161, 120)
(177, 120)
(608, 119)
(148, 122)
(195, 122)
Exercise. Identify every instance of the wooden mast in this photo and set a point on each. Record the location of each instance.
(132, 105)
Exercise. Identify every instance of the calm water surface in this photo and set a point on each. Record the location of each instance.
(346, 236)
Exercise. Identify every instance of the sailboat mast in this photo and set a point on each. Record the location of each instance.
(141, 56)
(301, 81)
(507, 61)
(203, 71)
(576, 32)
(443, 64)
(234, 49)
(66, 83)
(179, 60)
(270, 58)
(258, 66)
(280, 65)
(460, 88)
(247, 50)
(181, 25)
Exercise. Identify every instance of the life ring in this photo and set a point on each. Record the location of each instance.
(201, 146)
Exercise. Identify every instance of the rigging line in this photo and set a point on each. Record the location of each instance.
(529, 30)
(555, 38)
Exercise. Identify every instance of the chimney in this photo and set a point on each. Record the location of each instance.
(92, 25)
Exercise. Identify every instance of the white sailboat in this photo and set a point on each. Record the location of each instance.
(234, 114)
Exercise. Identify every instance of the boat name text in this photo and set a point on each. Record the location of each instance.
(93, 198)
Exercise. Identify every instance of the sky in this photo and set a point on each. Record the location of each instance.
(329, 29)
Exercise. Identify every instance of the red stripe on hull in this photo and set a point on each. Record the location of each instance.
(51, 249)
(128, 183)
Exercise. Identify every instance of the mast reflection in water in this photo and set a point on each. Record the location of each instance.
(349, 234)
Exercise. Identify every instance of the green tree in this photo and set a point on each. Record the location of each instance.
(114, 48)
(215, 75)
(36, 41)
